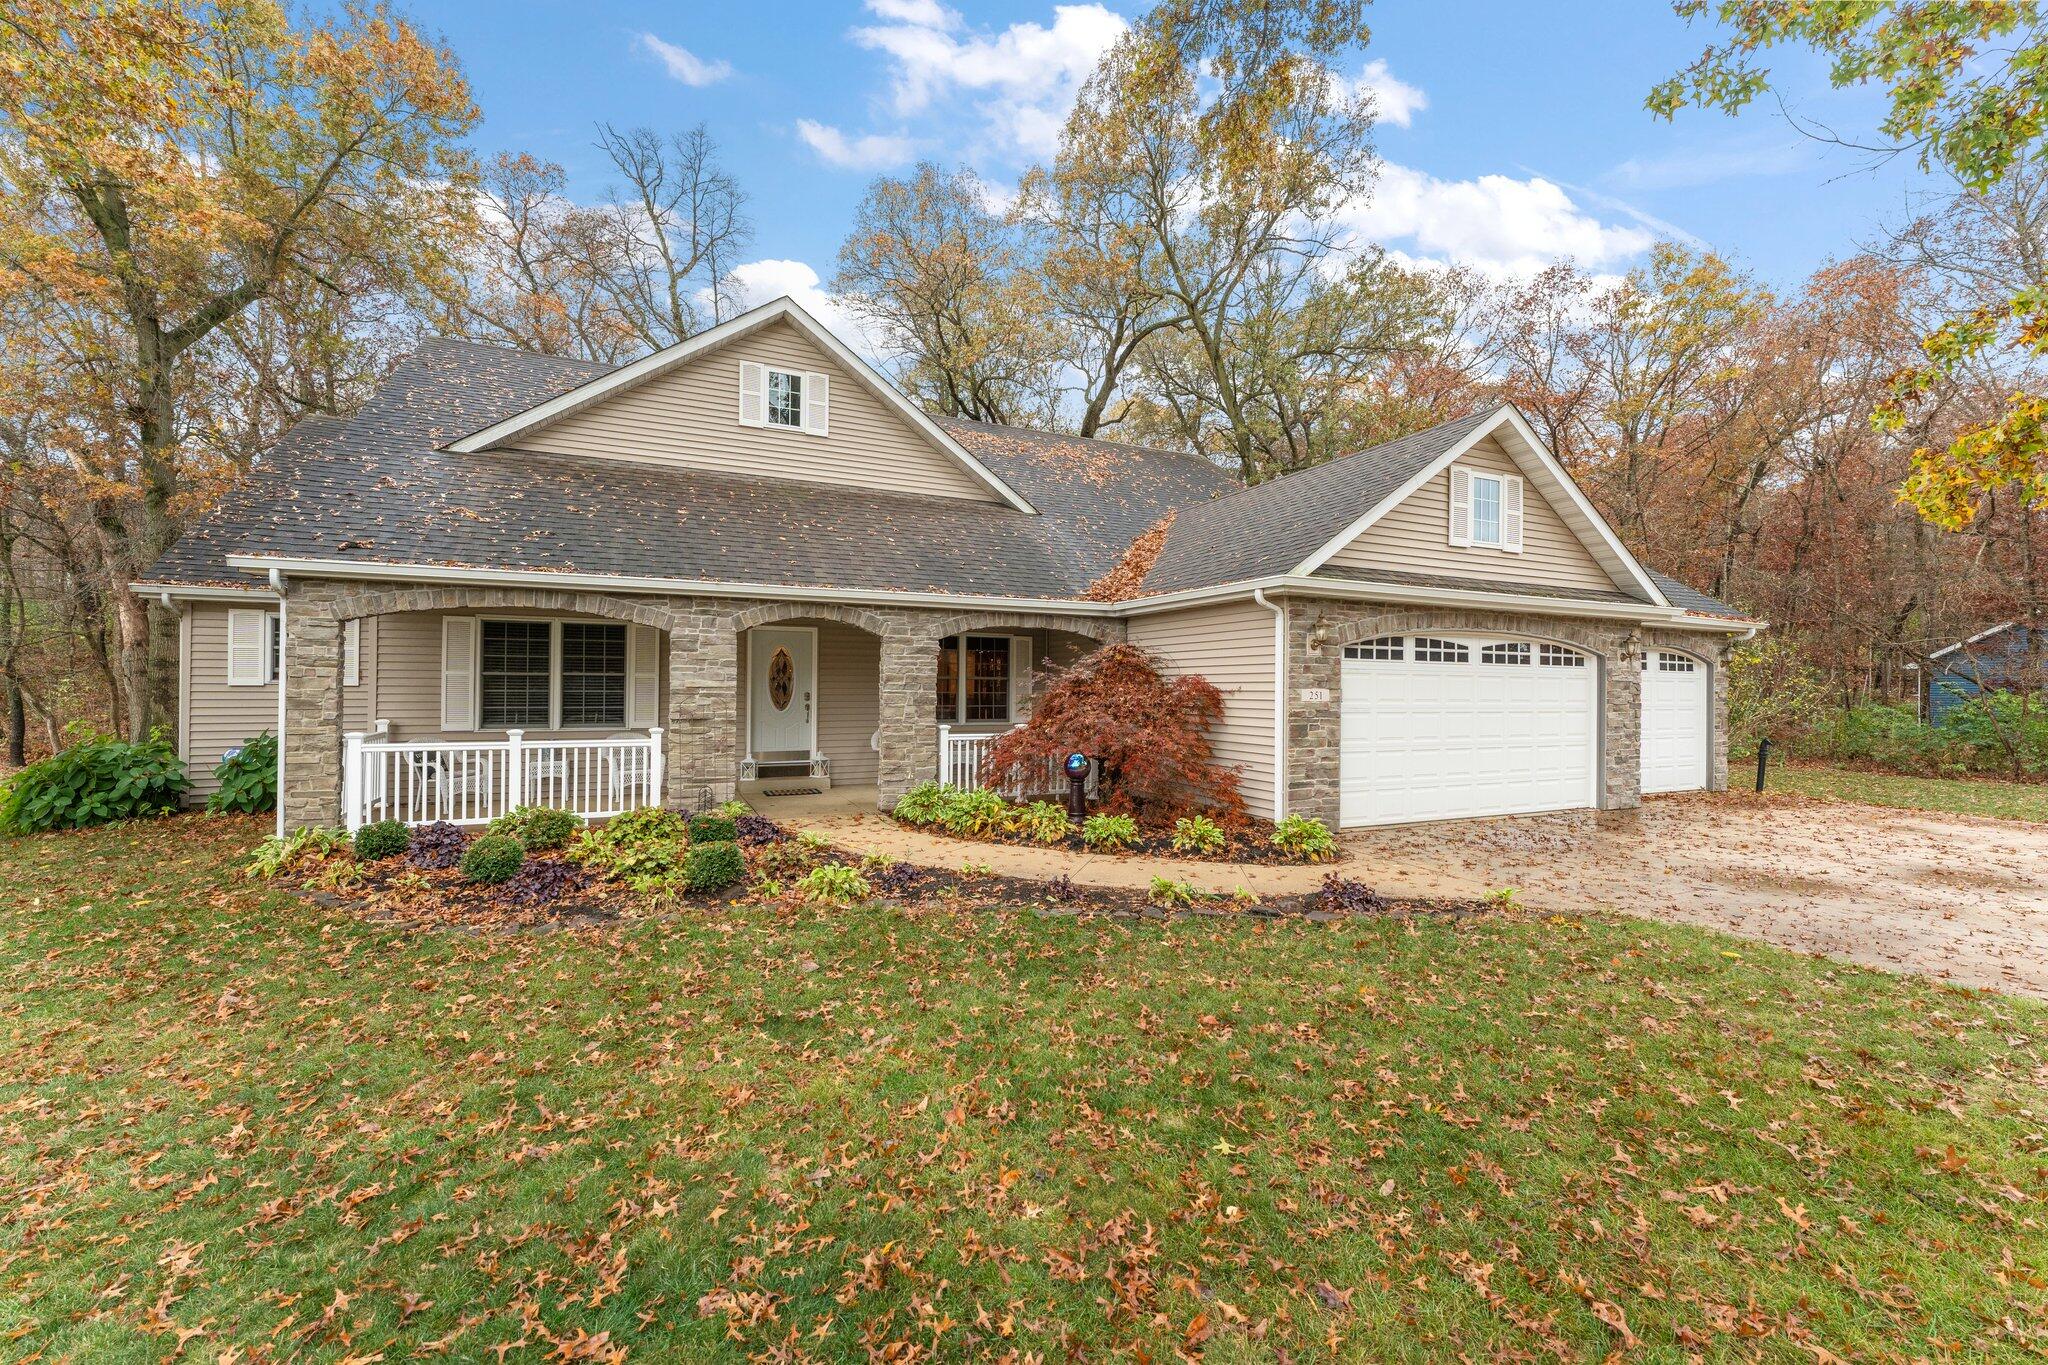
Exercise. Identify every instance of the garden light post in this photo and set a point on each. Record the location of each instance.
(1763, 757)
(1076, 766)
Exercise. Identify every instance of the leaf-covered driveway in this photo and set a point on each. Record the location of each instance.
(235, 1123)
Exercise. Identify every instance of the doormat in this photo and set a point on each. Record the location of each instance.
(792, 791)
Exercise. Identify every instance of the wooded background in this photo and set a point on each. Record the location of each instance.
(218, 219)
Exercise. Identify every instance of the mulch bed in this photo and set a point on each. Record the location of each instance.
(1249, 843)
(398, 891)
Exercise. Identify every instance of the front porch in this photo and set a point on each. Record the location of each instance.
(469, 702)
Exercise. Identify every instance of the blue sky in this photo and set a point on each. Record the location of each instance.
(1512, 132)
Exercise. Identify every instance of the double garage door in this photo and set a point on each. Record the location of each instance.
(1444, 727)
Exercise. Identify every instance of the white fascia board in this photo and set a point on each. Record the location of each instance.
(196, 592)
(673, 587)
(1507, 415)
(661, 361)
(1980, 635)
(1291, 584)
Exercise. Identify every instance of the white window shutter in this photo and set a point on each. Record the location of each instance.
(643, 668)
(1020, 676)
(817, 403)
(1461, 506)
(458, 673)
(1511, 513)
(352, 652)
(248, 648)
(753, 394)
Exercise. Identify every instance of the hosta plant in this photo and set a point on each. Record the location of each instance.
(1109, 832)
(92, 783)
(248, 778)
(1197, 834)
(834, 884)
(1042, 822)
(1300, 836)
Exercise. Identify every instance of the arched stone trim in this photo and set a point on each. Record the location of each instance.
(768, 613)
(355, 603)
(1606, 638)
(1095, 628)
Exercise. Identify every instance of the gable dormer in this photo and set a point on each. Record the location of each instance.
(770, 394)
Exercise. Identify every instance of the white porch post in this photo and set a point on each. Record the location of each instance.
(945, 756)
(352, 781)
(654, 766)
(515, 769)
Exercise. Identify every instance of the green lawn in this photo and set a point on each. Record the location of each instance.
(1961, 796)
(233, 1116)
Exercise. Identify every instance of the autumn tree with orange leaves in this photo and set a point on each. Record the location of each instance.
(187, 188)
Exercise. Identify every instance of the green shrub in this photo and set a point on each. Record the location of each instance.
(1109, 832)
(1164, 891)
(923, 804)
(492, 859)
(973, 812)
(537, 828)
(642, 848)
(1299, 836)
(1197, 834)
(382, 839)
(92, 783)
(713, 828)
(713, 866)
(248, 777)
(834, 884)
(275, 855)
(1043, 822)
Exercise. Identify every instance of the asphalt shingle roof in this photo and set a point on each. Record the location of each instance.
(379, 488)
(1271, 528)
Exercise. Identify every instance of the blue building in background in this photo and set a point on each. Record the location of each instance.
(1994, 660)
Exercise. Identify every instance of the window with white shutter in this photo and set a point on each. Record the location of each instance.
(458, 673)
(251, 642)
(1461, 506)
(753, 394)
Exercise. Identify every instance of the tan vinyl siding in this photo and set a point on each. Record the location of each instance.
(849, 700)
(1232, 646)
(408, 676)
(219, 717)
(1414, 536)
(690, 417)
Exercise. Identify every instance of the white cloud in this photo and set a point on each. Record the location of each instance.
(764, 281)
(868, 152)
(1496, 224)
(1021, 80)
(1394, 100)
(683, 64)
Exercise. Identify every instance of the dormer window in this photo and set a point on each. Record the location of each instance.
(795, 400)
(785, 399)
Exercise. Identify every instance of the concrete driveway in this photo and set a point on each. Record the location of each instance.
(1950, 896)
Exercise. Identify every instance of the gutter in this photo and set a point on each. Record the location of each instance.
(1290, 584)
(1279, 702)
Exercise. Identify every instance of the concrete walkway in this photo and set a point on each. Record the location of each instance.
(1955, 897)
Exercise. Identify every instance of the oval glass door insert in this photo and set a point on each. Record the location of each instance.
(781, 678)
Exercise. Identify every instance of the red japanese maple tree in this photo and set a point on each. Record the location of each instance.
(1148, 734)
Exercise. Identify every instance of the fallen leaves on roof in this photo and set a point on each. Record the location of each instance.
(1123, 582)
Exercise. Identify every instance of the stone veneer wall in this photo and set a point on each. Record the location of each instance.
(1313, 729)
(701, 740)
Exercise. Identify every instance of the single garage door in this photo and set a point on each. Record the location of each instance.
(1674, 722)
(1437, 727)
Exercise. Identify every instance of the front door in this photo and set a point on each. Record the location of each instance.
(782, 692)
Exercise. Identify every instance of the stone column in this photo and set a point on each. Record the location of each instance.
(910, 711)
(1313, 728)
(702, 743)
(312, 712)
(1621, 777)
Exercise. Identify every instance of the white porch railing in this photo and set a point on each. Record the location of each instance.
(962, 755)
(469, 782)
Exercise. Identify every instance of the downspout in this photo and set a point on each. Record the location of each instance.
(1279, 702)
(277, 586)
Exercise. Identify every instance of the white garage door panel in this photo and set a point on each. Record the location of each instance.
(1675, 728)
(1432, 741)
